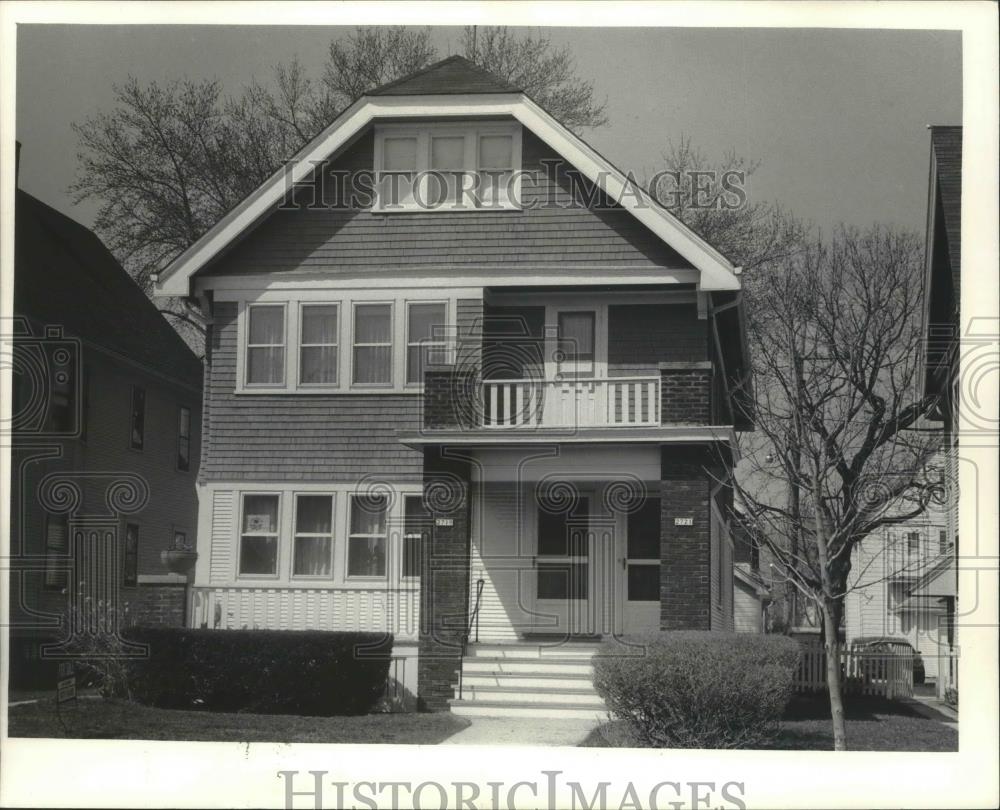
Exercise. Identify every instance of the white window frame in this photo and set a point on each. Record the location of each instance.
(393, 347)
(472, 133)
(247, 346)
(345, 299)
(300, 345)
(240, 534)
(444, 345)
(295, 534)
(387, 537)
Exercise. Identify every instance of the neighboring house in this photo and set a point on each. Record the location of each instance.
(942, 332)
(887, 568)
(508, 416)
(106, 433)
(751, 593)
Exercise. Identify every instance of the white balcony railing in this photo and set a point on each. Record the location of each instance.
(608, 402)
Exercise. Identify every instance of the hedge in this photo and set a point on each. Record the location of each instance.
(307, 672)
(698, 689)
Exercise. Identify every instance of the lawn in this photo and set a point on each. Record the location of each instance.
(872, 725)
(102, 719)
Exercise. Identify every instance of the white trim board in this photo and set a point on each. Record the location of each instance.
(716, 272)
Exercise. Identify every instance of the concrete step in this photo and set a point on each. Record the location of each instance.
(525, 649)
(527, 666)
(483, 708)
(506, 694)
(530, 681)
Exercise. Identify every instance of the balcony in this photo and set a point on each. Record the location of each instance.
(571, 403)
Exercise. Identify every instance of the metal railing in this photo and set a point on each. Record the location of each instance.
(581, 402)
(473, 622)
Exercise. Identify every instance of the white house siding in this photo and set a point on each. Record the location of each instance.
(747, 614)
(495, 558)
(221, 599)
(878, 605)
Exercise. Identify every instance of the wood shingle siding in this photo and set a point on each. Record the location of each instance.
(315, 437)
(555, 232)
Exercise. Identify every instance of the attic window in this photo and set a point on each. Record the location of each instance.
(447, 167)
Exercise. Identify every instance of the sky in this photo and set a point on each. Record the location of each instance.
(837, 118)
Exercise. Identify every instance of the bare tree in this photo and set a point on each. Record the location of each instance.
(713, 199)
(544, 71)
(835, 331)
(170, 159)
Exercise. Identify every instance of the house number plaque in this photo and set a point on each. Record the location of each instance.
(684, 521)
(444, 521)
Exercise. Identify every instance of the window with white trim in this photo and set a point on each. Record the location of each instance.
(318, 344)
(368, 540)
(426, 340)
(447, 166)
(312, 549)
(259, 535)
(372, 361)
(265, 360)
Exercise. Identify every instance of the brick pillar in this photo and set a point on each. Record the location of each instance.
(444, 580)
(686, 393)
(685, 551)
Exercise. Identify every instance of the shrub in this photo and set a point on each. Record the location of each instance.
(699, 689)
(919, 673)
(265, 671)
(951, 696)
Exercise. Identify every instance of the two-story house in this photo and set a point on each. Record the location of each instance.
(887, 571)
(105, 437)
(465, 380)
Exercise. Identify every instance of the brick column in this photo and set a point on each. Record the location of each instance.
(686, 393)
(444, 580)
(685, 551)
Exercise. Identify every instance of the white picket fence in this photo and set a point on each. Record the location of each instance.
(888, 674)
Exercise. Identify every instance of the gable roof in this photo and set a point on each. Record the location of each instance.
(435, 92)
(456, 74)
(65, 276)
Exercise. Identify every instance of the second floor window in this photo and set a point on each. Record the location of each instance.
(373, 344)
(425, 338)
(318, 346)
(137, 424)
(183, 439)
(266, 345)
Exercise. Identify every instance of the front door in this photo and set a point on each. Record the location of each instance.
(565, 570)
(638, 603)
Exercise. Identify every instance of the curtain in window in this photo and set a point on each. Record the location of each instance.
(496, 160)
(399, 160)
(373, 343)
(265, 341)
(447, 158)
(313, 535)
(318, 362)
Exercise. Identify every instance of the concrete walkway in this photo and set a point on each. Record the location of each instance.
(935, 709)
(523, 731)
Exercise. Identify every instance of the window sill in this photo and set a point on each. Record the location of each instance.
(448, 209)
(374, 389)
